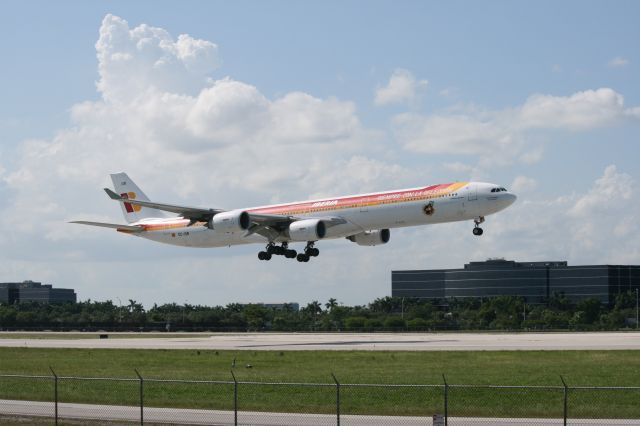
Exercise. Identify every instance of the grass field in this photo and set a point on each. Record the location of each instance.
(538, 368)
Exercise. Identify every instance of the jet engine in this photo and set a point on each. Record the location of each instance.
(371, 238)
(307, 230)
(233, 221)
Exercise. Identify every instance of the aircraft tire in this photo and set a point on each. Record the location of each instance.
(477, 231)
(261, 255)
(267, 256)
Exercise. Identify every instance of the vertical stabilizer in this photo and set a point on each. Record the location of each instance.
(126, 188)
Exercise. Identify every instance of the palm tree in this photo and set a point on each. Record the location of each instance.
(314, 308)
(135, 306)
(332, 303)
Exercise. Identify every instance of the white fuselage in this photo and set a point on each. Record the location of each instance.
(452, 202)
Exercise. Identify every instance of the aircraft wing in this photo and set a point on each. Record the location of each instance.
(122, 228)
(268, 225)
(271, 226)
(193, 213)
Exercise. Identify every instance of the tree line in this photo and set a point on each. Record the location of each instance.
(383, 314)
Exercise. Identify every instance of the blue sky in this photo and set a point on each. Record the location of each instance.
(541, 97)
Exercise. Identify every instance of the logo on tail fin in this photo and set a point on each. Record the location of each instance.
(128, 206)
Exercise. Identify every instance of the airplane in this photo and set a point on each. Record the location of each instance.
(364, 219)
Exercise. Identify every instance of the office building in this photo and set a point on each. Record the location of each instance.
(535, 281)
(30, 291)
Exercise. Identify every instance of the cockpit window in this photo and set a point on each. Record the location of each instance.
(498, 190)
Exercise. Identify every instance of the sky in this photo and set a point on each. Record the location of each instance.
(238, 104)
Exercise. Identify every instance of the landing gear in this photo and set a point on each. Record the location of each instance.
(477, 230)
(264, 255)
(283, 250)
(273, 249)
(309, 252)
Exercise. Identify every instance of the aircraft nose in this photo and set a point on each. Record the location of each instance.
(509, 199)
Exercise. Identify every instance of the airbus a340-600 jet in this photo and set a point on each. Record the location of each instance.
(363, 219)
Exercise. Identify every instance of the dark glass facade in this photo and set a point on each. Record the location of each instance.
(29, 291)
(535, 281)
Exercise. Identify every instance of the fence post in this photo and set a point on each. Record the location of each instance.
(55, 393)
(141, 396)
(566, 397)
(235, 399)
(337, 398)
(446, 401)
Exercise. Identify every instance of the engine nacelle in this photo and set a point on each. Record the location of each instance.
(371, 238)
(233, 221)
(307, 230)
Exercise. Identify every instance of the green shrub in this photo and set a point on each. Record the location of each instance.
(354, 323)
(417, 323)
(393, 323)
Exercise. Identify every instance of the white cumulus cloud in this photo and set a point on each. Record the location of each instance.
(183, 135)
(597, 226)
(134, 60)
(502, 134)
(403, 87)
(609, 191)
(581, 111)
(523, 184)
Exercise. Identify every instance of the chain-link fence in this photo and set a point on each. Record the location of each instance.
(57, 399)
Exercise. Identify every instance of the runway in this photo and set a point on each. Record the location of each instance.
(337, 341)
(21, 409)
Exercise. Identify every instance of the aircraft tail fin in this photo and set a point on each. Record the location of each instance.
(126, 188)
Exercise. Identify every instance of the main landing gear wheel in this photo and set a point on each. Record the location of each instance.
(264, 255)
(309, 252)
(273, 249)
(477, 230)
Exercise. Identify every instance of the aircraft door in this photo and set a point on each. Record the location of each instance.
(472, 192)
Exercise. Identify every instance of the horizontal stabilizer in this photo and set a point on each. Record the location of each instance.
(112, 194)
(124, 228)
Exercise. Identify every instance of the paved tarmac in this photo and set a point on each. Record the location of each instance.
(343, 341)
(22, 409)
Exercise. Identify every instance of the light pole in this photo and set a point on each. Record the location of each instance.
(636, 308)
(119, 310)
(184, 308)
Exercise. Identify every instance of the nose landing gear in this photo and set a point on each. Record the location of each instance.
(477, 230)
